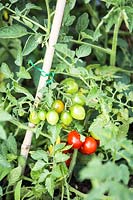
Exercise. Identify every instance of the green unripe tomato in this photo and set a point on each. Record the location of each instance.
(33, 117)
(77, 112)
(78, 98)
(52, 117)
(42, 115)
(66, 118)
(70, 85)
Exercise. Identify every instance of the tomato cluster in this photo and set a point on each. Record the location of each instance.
(58, 112)
(86, 146)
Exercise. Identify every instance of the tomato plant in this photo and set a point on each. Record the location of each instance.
(66, 67)
(73, 139)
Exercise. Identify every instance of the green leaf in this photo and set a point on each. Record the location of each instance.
(13, 1)
(2, 133)
(5, 167)
(43, 176)
(82, 22)
(5, 116)
(39, 155)
(63, 48)
(14, 31)
(1, 6)
(104, 180)
(6, 71)
(60, 157)
(12, 144)
(23, 73)
(38, 165)
(30, 6)
(49, 183)
(83, 51)
(14, 175)
(17, 192)
(20, 89)
(56, 171)
(32, 43)
(54, 132)
(11, 98)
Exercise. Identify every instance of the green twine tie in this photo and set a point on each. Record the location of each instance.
(43, 73)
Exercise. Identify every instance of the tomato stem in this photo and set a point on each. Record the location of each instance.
(72, 164)
(114, 42)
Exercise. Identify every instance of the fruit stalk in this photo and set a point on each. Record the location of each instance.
(48, 58)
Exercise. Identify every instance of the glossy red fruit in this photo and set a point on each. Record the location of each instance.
(89, 146)
(74, 139)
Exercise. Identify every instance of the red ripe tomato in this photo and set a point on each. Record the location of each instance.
(58, 106)
(74, 139)
(89, 146)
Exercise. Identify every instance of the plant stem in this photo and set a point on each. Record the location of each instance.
(108, 51)
(72, 164)
(25, 147)
(77, 192)
(48, 13)
(114, 42)
(28, 19)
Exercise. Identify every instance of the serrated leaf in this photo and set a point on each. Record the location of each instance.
(56, 171)
(17, 192)
(20, 89)
(2, 133)
(11, 98)
(43, 176)
(23, 73)
(40, 155)
(38, 165)
(55, 132)
(14, 175)
(5, 70)
(3, 163)
(63, 48)
(14, 31)
(4, 116)
(11, 144)
(82, 23)
(60, 157)
(30, 6)
(31, 44)
(49, 183)
(83, 51)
